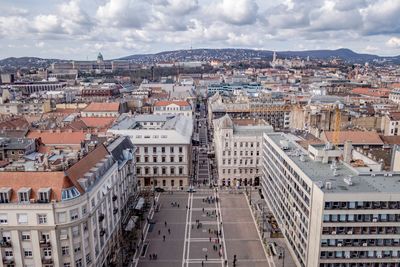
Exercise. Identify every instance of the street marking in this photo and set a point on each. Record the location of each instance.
(186, 230)
(259, 235)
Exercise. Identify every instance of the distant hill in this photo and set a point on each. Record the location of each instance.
(227, 54)
(231, 54)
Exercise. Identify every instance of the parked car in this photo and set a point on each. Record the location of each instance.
(159, 189)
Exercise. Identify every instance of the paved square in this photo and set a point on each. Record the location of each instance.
(187, 244)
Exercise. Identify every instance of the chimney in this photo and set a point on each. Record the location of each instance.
(347, 155)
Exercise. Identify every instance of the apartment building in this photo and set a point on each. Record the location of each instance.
(164, 150)
(100, 109)
(26, 107)
(331, 213)
(173, 108)
(237, 147)
(67, 218)
(391, 124)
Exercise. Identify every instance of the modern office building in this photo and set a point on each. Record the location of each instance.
(164, 150)
(68, 216)
(237, 148)
(331, 213)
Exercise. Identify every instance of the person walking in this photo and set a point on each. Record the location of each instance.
(206, 257)
(163, 237)
(165, 223)
(169, 231)
(159, 232)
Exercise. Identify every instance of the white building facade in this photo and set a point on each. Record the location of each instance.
(70, 218)
(173, 108)
(330, 214)
(237, 145)
(164, 149)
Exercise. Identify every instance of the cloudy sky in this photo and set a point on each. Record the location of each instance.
(78, 29)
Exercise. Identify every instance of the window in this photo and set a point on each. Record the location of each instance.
(163, 159)
(155, 170)
(172, 182)
(181, 170)
(3, 219)
(164, 183)
(154, 149)
(88, 259)
(164, 171)
(146, 171)
(171, 159)
(44, 195)
(42, 218)
(137, 170)
(162, 149)
(180, 159)
(77, 248)
(137, 159)
(78, 263)
(74, 214)
(146, 149)
(24, 194)
(235, 144)
(180, 149)
(171, 149)
(146, 159)
(67, 264)
(172, 170)
(25, 236)
(154, 159)
(5, 195)
(27, 252)
(22, 218)
(8, 253)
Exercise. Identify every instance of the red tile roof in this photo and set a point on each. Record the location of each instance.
(97, 122)
(372, 92)
(166, 103)
(57, 181)
(79, 169)
(357, 137)
(100, 107)
(394, 116)
(58, 138)
(14, 124)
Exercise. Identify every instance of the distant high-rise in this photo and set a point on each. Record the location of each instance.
(274, 57)
(100, 58)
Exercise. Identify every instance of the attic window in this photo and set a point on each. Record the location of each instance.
(70, 193)
(5, 193)
(24, 194)
(44, 195)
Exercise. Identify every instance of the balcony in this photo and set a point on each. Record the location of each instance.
(44, 243)
(102, 232)
(8, 260)
(47, 260)
(101, 217)
(114, 198)
(5, 244)
(115, 211)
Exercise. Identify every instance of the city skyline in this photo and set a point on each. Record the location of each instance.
(76, 29)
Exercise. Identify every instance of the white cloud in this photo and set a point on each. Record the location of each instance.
(40, 44)
(47, 23)
(393, 42)
(238, 12)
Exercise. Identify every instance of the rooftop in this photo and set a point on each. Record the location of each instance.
(102, 107)
(320, 173)
(357, 137)
(167, 103)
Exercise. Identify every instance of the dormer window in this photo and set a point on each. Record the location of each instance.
(44, 195)
(5, 194)
(24, 194)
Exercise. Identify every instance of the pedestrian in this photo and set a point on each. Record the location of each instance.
(159, 232)
(163, 237)
(154, 256)
(169, 231)
(202, 263)
(203, 210)
(178, 205)
(210, 238)
(165, 223)
(206, 257)
(150, 257)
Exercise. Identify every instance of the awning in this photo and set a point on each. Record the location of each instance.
(140, 204)
(131, 224)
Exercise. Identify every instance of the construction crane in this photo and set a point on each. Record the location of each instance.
(338, 119)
